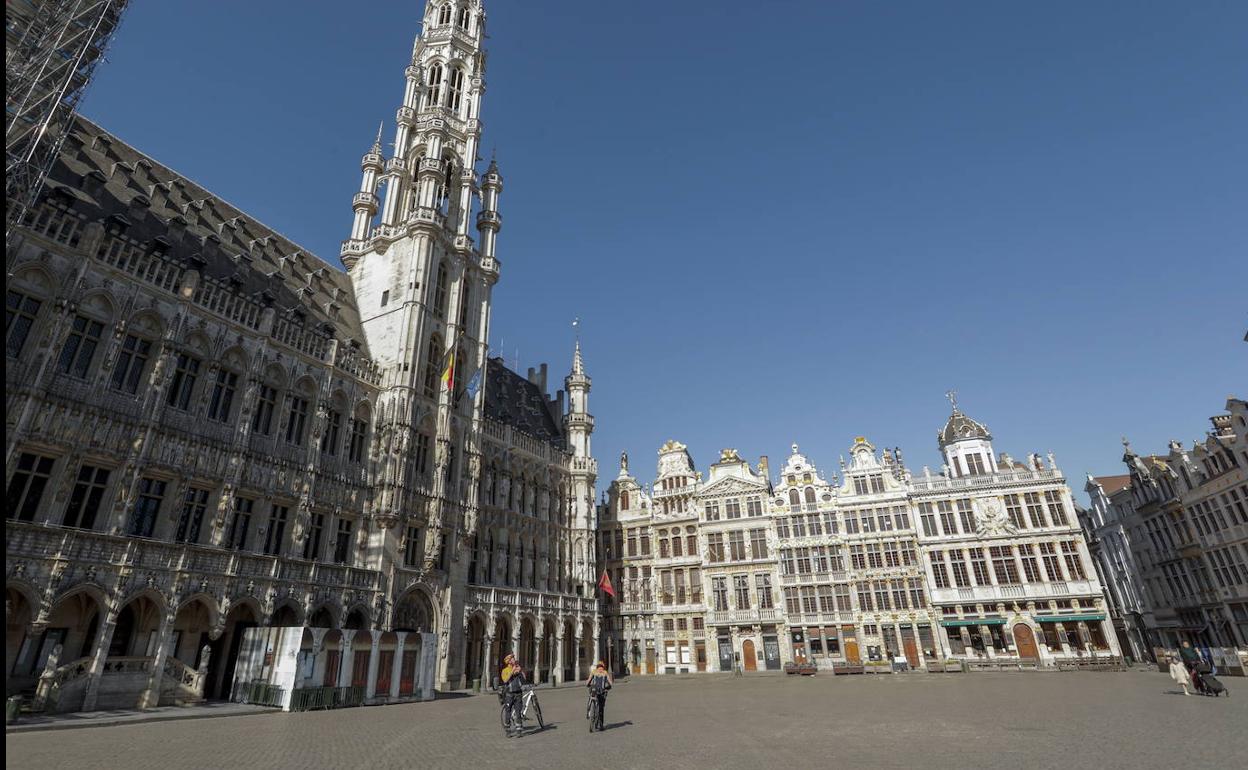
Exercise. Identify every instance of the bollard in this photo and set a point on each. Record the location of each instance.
(476, 685)
(12, 708)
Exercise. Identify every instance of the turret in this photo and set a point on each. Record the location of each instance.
(578, 421)
(488, 220)
(365, 202)
(966, 444)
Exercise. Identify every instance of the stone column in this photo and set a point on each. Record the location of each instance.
(98, 657)
(515, 642)
(487, 665)
(374, 655)
(396, 670)
(1085, 637)
(44, 687)
(151, 696)
(556, 676)
(347, 659)
(316, 677)
(606, 659)
(989, 648)
(1060, 628)
(539, 641)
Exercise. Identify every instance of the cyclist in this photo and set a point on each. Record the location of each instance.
(600, 680)
(512, 677)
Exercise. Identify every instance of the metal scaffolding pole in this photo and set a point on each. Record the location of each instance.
(51, 49)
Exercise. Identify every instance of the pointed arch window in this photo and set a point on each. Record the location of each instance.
(435, 86)
(455, 88)
(440, 291)
(464, 18)
(433, 357)
(457, 375)
(444, 14)
(447, 184)
(463, 306)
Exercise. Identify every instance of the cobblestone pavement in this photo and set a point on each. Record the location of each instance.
(1020, 720)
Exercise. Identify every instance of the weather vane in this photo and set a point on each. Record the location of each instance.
(952, 395)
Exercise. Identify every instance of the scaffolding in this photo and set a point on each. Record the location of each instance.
(51, 49)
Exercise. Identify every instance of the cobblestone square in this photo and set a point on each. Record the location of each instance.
(1107, 720)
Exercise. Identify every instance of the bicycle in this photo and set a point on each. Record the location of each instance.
(527, 702)
(593, 711)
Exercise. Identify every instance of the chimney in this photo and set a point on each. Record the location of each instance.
(542, 379)
(532, 376)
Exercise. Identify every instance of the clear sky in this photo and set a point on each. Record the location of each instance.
(792, 221)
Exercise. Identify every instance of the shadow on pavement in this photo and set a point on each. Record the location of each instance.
(614, 725)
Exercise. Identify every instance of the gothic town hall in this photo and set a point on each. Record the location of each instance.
(210, 429)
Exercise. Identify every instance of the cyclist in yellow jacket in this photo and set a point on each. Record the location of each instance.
(512, 677)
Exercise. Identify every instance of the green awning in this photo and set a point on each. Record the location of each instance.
(1066, 618)
(975, 622)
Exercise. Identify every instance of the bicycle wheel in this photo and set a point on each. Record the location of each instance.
(505, 716)
(537, 712)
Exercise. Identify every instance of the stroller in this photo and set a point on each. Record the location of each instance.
(1206, 683)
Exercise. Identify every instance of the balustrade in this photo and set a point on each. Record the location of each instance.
(82, 548)
(923, 484)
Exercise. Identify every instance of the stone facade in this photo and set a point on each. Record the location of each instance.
(210, 428)
(872, 567)
(1173, 533)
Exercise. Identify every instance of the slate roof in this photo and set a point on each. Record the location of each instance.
(513, 400)
(100, 171)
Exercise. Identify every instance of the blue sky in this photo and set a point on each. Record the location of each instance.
(794, 221)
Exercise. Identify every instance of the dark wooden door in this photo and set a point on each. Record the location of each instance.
(385, 665)
(333, 659)
(912, 652)
(747, 655)
(359, 668)
(1025, 642)
(650, 661)
(407, 673)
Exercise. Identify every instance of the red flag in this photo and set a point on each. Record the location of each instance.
(604, 584)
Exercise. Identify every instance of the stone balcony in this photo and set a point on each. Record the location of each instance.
(745, 616)
(32, 548)
(1013, 593)
(839, 576)
(936, 483)
(820, 618)
(537, 602)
